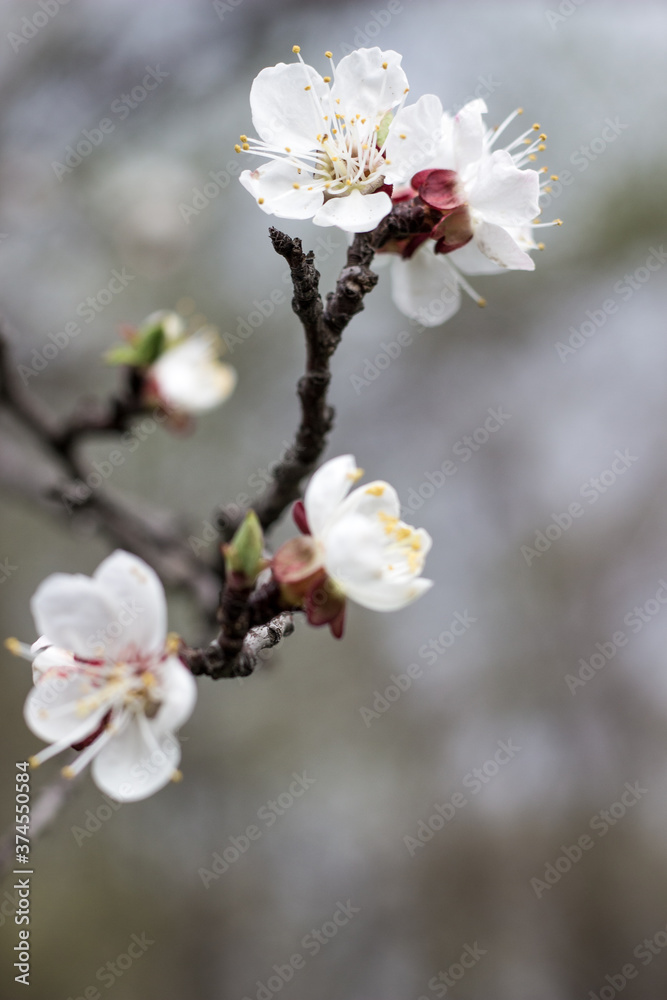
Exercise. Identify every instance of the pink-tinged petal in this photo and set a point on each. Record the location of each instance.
(468, 134)
(136, 762)
(140, 606)
(272, 186)
(440, 189)
(355, 212)
(504, 194)
(388, 595)
(364, 86)
(415, 139)
(297, 560)
(425, 287)
(75, 613)
(284, 113)
(327, 488)
(300, 518)
(325, 605)
(497, 244)
(453, 231)
(178, 695)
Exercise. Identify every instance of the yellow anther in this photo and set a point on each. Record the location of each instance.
(541, 148)
(548, 189)
(237, 148)
(338, 100)
(327, 79)
(310, 188)
(33, 761)
(554, 177)
(246, 146)
(327, 184)
(384, 65)
(363, 121)
(536, 127)
(406, 90)
(13, 645)
(334, 131)
(173, 642)
(403, 135)
(68, 772)
(416, 543)
(559, 222)
(329, 55)
(375, 491)
(540, 246)
(176, 775)
(260, 201)
(519, 111)
(364, 145)
(481, 303)
(295, 185)
(307, 88)
(348, 182)
(288, 149)
(543, 136)
(402, 534)
(531, 156)
(243, 138)
(296, 49)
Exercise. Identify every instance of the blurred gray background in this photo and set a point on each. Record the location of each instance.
(470, 890)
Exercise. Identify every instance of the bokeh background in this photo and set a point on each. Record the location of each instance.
(574, 67)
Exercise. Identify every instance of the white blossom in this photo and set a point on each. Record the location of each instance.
(106, 679)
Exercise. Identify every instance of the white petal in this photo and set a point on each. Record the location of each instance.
(74, 612)
(273, 183)
(386, 595)
(140, 607)
(327, 488)
(422, 126)
(49, 657)
(471, 260)
(178, 696)
(364, 87)
(284, 113)
(355, 212)
(370, 500)
(135, 764)
(54, 709)
(504, 194)
(497, 244)
(468, 134)
(190, 377)
(425, 287)
(355, 551)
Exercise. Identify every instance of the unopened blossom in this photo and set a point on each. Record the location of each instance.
(106, 679)
(483, 203)
(354, 545)
(325, 139)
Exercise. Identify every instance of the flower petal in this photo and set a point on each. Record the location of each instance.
(355, 551)
(327, 488)
(418, 139)
(425, 287)
(387, 595)
(364, 86)
(272, 185)
(284, 113)
(468, 134)
(190, 378)
(497, 244)
(74, 612)
(504, 194)
(371, 500)
(355, 212)
(54, 709)
(136, 763)
(140, 607)
(178, 698)
(471, 260)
